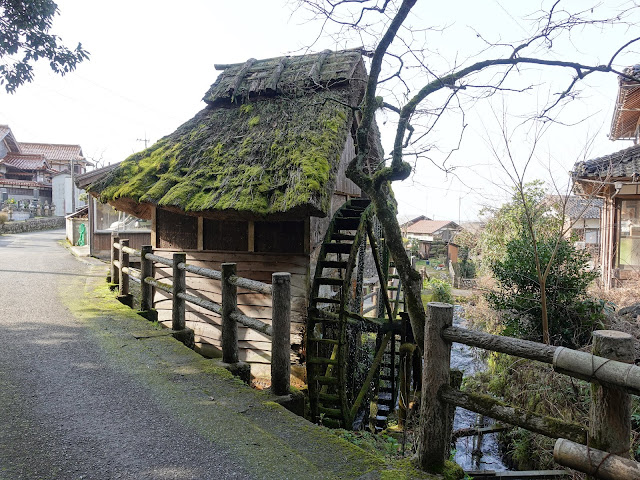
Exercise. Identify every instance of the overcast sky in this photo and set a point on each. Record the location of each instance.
(152, 61)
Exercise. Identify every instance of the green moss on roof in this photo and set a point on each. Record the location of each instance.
(265, 156)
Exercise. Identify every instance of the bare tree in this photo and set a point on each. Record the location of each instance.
(555, 229)
(494, 68)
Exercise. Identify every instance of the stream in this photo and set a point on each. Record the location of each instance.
(464, 359)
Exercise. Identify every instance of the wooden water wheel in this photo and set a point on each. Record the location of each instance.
(352, 336)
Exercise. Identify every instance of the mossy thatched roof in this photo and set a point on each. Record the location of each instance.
(268, 142)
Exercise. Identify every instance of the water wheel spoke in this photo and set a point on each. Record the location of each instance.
(344, 367)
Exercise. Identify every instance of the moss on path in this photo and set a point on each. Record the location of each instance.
(266, 439)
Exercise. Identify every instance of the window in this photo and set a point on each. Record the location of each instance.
(279, 237)
(176, 230)
(108, 218)
(628, 233)
(225, 235)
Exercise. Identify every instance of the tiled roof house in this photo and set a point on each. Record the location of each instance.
(26, 168)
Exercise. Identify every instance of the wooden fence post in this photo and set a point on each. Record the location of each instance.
(146, 270)
(113, 273)
(123, 278)
(281, 337)
(179, 286)
(435, 425)
(229, 326)
(610, 414)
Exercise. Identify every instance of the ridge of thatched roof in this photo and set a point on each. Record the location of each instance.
(249, 151)
(285, 75)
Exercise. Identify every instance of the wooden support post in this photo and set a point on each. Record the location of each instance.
(281, 338)
(229, 305)
(435, 428)
(123, 278)
(146, 270)
(455, 382)
(113, 273)
(179, 286)
(610, 414)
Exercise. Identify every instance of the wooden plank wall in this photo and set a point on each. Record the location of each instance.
(101, 241)
(254, 347)
(343, 184)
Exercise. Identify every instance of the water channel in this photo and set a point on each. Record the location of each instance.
(466, 455)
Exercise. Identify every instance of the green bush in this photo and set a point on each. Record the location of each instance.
(572, 314)
(440, 290)
(467, 267)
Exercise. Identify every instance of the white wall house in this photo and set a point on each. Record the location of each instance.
(61, 191)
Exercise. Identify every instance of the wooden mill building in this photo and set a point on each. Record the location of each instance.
(253, 178)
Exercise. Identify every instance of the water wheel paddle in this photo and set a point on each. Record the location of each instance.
(352, 336)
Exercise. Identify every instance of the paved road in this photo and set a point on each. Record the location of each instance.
(66, 412)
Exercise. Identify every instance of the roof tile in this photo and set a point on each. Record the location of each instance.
(428, 226)
(622, 164)
(53, 151)
(25, 162)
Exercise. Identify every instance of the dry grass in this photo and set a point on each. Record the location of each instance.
(620, 297)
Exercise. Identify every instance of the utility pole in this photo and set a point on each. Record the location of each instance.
(145, 140)
(73, 189)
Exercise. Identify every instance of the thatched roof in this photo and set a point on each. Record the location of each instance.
(269, 142)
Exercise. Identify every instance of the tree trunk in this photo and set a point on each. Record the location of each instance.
(545, 319)
(410, 278)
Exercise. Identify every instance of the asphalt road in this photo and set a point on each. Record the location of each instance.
(65, 411)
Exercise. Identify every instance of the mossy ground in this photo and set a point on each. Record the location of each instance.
(262, 435)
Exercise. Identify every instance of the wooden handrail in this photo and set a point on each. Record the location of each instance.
(279, 290)
(613, 373)
(497, 343)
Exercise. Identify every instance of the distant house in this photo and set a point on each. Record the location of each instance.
(61, 157)
(427, 231)
(584, 217)
(615, 178)
(25, 177)
(27, 171)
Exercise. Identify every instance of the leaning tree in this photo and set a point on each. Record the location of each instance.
(424, 92)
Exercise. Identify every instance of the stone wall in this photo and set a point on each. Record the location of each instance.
(33, 225)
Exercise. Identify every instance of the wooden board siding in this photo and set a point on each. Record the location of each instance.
(343, 184)
(279, 237)
(254, 347)
(101, 242)
(225, 235)
(175, 230)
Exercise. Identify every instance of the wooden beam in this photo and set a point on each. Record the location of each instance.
(595, 462)
(200, 233)
(496, 343)
(537, 474)
(252, 236)
(494, 408)
(154, 228)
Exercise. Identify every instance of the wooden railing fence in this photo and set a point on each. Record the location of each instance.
(601, 450)
(280, 291)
